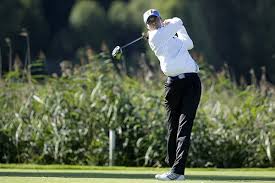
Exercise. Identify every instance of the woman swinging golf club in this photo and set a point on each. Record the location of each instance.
(170, 42)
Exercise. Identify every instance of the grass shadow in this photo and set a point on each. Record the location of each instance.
(132, 176)
(79, 175)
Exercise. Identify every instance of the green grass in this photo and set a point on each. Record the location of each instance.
(88, 174)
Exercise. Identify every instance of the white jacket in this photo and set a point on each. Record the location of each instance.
(171, 50)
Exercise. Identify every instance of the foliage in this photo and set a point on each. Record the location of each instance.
(234, 127)
(18, 14)
(66, 120)
(238, 33)
(89, 21)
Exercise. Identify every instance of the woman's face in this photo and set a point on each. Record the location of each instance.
(154, 23)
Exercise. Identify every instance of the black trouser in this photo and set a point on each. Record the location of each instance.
(182, 97)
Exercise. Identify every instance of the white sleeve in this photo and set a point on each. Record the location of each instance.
(170, 29)
(182, 35)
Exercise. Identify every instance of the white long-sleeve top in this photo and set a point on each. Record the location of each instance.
(171, 50)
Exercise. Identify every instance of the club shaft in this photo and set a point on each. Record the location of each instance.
(141, 37)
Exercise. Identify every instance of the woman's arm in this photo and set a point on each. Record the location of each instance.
(182, 35)
(170, 28)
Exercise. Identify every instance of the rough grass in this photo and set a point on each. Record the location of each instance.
(88, 174)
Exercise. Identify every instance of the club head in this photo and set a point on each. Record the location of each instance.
(117, 53)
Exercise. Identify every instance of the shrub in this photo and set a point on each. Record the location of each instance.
(66, 120)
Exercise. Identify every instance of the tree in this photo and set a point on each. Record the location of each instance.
(10, 16)
(18, 14)
(34, 21)
(118, 14)
(89, 22)
(242, 33)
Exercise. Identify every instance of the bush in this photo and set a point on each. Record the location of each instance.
(233, 128)
(67, 119)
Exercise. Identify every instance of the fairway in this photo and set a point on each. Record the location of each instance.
(55, 174)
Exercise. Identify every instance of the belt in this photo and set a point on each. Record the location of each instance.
(181, 76)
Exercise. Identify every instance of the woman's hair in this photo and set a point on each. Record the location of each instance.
(154, 23)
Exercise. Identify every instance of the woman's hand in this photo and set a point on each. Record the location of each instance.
(145, 35)
(166, 22)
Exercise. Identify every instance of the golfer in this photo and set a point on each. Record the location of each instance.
(170, 42)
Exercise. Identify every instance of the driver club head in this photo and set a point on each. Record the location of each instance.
(117, 53)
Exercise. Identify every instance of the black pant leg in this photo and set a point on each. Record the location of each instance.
(172, 104)
(172, 137)
(191, 92)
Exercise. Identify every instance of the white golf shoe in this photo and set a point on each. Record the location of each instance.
(169, 176)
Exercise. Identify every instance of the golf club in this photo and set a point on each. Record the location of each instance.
(117, 52)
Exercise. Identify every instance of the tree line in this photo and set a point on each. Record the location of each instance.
(237, 33)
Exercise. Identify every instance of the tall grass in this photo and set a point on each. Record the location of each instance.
(66, 120)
